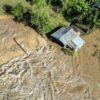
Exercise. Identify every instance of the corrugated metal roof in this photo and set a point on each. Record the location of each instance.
(68, 36)
(78, 42)
(59, 33)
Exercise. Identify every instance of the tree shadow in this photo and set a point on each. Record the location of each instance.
(55, 2)
(7, 8)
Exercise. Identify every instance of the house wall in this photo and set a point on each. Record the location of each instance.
(72, 45)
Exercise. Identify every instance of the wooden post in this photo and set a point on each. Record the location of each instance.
(20, 46)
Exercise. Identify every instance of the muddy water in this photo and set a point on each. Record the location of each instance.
(47, 74)
(24, 35)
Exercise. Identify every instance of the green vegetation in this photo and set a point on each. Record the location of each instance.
(80, 12)
(83, 13)
(43, 15)
(18, 11)
(37, 14)
(10, 2)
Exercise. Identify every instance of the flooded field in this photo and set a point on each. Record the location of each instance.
(47, 73)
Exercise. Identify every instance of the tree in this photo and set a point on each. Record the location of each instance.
(83, 13)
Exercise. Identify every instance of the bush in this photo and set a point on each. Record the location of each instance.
(83, 13)
(41, 24)
(38, 16)
(27, 17)
(18, 11)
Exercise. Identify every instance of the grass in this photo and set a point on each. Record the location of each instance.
(46, 19)
(10, 2)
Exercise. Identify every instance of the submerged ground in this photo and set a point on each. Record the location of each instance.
(47, 73)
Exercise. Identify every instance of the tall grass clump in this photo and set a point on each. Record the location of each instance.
(42, 14)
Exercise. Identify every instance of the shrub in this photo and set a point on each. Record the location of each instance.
(27, 17)
(7, 8)
(41, 24)
(18, 11)
(83, 13)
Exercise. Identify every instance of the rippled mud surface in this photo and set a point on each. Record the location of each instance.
(47, 72)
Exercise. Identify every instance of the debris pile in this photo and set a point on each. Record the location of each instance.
(45, 74)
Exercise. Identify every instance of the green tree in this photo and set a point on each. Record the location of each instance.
(31, 1)
(81, 12)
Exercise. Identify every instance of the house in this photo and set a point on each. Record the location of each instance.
(67, 36)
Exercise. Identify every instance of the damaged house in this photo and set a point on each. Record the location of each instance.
(68, 37)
